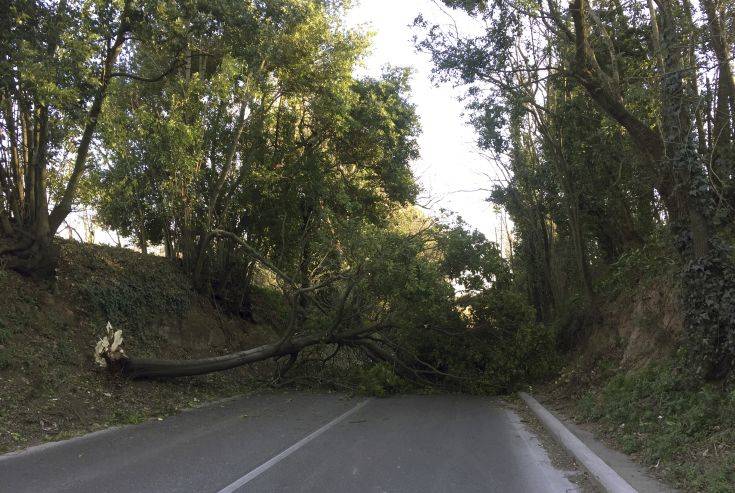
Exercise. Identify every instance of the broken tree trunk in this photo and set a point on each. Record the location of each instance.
(159, 368)
(119, 362)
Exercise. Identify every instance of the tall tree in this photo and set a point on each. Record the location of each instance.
(639, 66)
(56, 76)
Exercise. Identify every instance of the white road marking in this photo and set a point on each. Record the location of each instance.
(290, 450)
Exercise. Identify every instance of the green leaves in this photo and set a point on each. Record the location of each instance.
(470, 260)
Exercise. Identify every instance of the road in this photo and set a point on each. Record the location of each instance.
(298, 442)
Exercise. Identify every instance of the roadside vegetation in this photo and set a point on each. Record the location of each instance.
(611, 127)
(684, 434)
(50, 386)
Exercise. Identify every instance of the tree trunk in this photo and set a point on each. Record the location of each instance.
(63, 207)
(28, 249)
(580, 248)
(35, 256)
(143, 242)
(156, 368)
(168, 244)
(721, 46)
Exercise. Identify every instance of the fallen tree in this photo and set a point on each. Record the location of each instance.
(380, 313)
(109, 353)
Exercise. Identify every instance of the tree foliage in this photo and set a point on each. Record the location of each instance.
(237, 136)
(612, 126)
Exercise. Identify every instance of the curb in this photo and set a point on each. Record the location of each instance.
(603, 474)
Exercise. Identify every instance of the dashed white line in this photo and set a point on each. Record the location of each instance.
(290, 450)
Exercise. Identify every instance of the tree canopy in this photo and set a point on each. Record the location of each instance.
(237, 136)
(612, 124)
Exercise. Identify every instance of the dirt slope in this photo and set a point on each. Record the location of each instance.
(50, 387)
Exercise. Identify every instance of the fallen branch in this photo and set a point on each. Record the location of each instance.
(109, 352)
(378, 354)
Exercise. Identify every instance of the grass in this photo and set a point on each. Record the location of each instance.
(686, 433)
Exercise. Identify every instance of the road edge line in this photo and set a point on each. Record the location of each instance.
(85, 435)
(290, 450)
(600, 471)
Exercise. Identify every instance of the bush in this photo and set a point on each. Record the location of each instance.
(379, 380)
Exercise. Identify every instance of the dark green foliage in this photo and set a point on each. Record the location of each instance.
(653, 260)
(471, 260)
(379, 380)
(708, 286)
(502, 350)
(484, 340)
(5, 360)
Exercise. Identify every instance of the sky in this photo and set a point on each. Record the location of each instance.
(450, 162)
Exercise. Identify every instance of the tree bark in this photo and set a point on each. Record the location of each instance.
(721, 46)
(721, 138)
(156, 368)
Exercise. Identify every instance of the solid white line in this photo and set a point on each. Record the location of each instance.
(605, 475)
(290, 450)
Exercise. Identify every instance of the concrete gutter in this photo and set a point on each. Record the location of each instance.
(603, 474)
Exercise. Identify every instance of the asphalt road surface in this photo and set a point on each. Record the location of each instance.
(298, 442)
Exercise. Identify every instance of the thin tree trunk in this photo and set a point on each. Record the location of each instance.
(719, 37)
(722, 128)
(63, 207)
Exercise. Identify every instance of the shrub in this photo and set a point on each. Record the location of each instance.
(378, 380)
